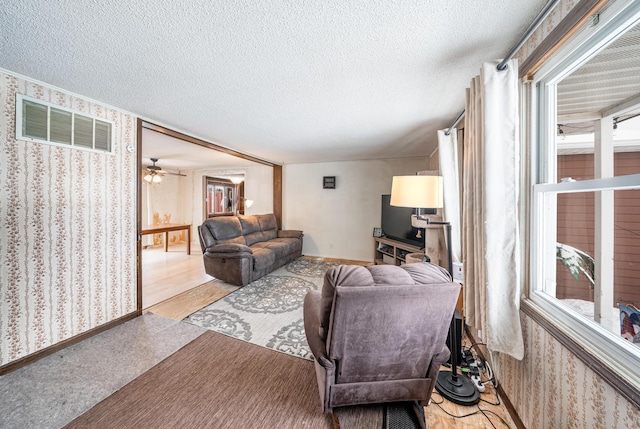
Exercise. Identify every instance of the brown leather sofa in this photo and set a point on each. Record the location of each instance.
(378, 334)
(241, 249)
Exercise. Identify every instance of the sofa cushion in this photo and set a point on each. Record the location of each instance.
(254, 237)
(263, 258)
(251, 229)
(290, 245)
(249, 224)
(280, 249)
(268, 225)
(225, 229)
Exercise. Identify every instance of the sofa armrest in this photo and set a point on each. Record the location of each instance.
(289, 233)
(228, 249)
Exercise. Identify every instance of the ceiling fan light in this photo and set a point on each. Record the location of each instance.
(156, 178)
(148, 178)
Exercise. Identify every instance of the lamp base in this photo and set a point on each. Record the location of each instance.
(458, 390)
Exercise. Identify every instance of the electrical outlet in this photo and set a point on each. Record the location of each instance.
(458, 272)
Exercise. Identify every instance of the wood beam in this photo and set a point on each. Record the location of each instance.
(277, 194)
(176, 134)
(139, 215)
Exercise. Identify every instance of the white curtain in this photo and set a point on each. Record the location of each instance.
(490, 251)
(448, 155)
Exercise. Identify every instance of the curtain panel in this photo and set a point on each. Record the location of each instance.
(490, 249)
(448, 156)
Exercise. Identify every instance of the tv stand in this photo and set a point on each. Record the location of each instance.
(392, 252)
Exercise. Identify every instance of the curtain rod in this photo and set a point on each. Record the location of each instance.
(551, 4)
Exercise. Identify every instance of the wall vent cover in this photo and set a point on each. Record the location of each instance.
(43, 122)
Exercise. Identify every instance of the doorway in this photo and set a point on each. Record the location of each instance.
(164, 273)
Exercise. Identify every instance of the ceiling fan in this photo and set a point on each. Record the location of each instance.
(154, 173)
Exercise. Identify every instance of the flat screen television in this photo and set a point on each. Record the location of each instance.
(396, 224)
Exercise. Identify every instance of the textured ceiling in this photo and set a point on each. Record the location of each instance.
(287, 81)
(608, 79)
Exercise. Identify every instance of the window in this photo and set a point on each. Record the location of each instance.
(585, 229)
(43, 122)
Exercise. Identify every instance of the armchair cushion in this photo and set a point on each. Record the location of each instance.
(354, 276)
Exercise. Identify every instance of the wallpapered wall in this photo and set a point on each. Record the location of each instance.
(551, 387)
(67, 229)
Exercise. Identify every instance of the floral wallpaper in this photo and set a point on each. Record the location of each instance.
(67, 228)
(552, 388)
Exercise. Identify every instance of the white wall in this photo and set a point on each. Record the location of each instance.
(338, 223)
(258, 186)
(166, 198)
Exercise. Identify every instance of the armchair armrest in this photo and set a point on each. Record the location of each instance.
(289, 233)
(312, 328)
(434, 367)
(442, 356)
(229, 249)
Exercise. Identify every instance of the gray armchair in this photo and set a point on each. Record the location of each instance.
(378, 334)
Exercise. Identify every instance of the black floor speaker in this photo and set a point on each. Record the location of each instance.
(458, 338)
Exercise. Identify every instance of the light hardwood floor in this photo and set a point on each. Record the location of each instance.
(488, 413)
(167, 274)
(174, 271)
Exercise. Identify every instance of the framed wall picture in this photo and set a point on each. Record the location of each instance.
(329, 182)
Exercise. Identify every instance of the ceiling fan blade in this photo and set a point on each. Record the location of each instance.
(158, 170)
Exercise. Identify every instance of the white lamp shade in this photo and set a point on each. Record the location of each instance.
(424, 192)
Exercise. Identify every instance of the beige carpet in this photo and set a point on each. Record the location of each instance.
(220, 382)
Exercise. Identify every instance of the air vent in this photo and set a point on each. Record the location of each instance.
(43, 122)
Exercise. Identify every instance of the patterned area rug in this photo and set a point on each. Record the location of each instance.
(268, 311)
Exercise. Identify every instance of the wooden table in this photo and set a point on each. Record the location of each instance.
(167, 228)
